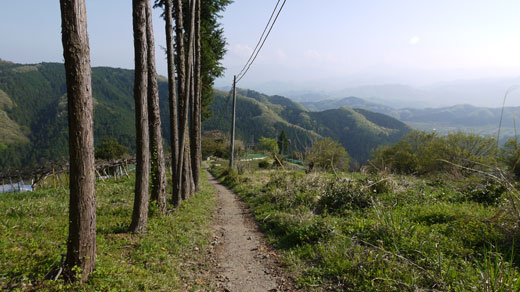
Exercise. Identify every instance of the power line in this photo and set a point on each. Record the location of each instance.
(263, 42)
(261, 37)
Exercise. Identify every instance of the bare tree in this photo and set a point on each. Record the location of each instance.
(81, 242)
(140, 212)
(195, 135)
(156, 141)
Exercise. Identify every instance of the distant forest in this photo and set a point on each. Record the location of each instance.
(33, 99)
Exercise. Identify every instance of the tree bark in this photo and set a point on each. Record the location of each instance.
(140, 212)
(186, 174)
(195, 136)
(158, 191)
(81, 242)
(172, 94)
(181, 76)
(185, 105)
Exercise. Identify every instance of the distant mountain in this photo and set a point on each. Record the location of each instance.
(353, 102)
(464, 117)
(33, 116)
(360, 131)
(487, 92)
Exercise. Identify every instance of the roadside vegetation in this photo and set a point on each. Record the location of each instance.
(429, 214)
(170, 256)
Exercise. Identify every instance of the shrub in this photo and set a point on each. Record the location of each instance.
(486, 192)
(328, 154)
(425, 153)
(263, 163)
(343, 195)
(269, 145)
(510, 156)
(110, 149)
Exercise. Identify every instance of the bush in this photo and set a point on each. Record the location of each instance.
(263, 164)
(486, 192)
(426, 153)
(328, 154)
(110, 149)
(509, 155)
(343, 195)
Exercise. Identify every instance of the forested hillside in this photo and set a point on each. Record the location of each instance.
(33, 115)
(37, 111)
(359, 131)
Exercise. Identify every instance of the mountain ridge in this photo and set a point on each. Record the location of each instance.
(33, 102)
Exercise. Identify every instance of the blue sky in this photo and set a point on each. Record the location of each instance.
(378, 41)
(413, 41)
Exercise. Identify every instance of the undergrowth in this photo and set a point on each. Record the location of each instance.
(384, 232)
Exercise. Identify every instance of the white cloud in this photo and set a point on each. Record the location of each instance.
(414, 40)
(241, 50)
(282, 55)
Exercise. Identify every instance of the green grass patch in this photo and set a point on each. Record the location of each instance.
(170, 256)
(384, 232)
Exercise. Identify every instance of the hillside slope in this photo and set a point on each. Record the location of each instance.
(359, 131)
(33, 116)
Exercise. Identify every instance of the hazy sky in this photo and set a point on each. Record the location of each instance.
(368, 41)
(414, 41)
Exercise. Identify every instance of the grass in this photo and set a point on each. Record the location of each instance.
(384, 232)
(170, 256)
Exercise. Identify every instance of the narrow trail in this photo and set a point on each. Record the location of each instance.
(244, 263)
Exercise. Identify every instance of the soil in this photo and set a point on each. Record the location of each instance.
(243, 261)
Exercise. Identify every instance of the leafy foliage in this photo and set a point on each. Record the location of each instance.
(110, 149)
(423, 153)
(283, 143)
(510, 156)
(269, 145)
(327, 154)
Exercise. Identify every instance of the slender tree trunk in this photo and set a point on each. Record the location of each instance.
(81, 242)
(186, 174)
(186, 101)
(140, 213)
(195, 136)
(181, 94)
(156, 141)
(172, 95)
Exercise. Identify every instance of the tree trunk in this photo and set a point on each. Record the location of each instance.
(195, 136)
(186, 100)
(156, 141)
(186, 174)
(81, 242)
(172, 95)
(140, 213)
(177, 165)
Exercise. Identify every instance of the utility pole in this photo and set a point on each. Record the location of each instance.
(231, 157)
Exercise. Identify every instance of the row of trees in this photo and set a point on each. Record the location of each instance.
(189, 85)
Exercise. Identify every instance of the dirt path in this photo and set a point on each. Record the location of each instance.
(244, 262)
